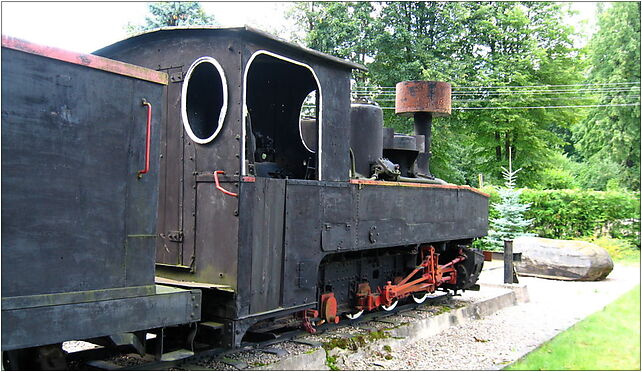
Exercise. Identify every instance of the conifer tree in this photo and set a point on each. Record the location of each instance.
(511, 222)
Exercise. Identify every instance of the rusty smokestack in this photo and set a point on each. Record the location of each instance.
(424, 100)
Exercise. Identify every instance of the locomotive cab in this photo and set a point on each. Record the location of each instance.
(270, 200)
(276, 90)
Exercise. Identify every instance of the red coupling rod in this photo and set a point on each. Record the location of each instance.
(220, 188)
(148, 141)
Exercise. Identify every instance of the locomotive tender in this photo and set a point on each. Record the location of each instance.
(268, 192)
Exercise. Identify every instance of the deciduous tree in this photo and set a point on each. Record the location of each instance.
(612, 133)
(174, 13)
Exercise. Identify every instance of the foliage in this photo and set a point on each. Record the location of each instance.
(555, 178)
(175, 13)
(598, 172)
(620, 250)
(613, 133)
(343, 29)
(568, 214)
(579, 214)
(561, 173)
(510, 222)
(467, 44)
(606, 340)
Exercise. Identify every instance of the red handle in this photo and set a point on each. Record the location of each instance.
(149, 138)
(220, 188)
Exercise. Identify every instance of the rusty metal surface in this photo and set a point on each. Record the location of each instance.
(423, 96)
(411, 184)
(87, 60)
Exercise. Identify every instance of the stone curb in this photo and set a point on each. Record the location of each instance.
(311, 361)
(515, 294)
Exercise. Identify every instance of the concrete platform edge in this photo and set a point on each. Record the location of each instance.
(515, 294)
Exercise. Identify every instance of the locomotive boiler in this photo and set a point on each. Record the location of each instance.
(267, 196)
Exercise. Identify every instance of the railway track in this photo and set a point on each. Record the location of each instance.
(268, 343)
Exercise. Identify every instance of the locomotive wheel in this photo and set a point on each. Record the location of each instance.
(354, 316)
(392, 306)
(419, 298)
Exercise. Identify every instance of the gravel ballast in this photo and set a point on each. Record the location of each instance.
(481, 338)
(495, 341)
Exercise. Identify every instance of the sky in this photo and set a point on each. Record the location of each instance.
(87, 26)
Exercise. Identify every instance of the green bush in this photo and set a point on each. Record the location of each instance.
(619, 250)
(568, 214)
(557, 179)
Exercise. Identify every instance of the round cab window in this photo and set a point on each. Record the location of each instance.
(204, 100)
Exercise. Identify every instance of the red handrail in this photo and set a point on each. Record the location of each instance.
(219, 187)
(149, 138)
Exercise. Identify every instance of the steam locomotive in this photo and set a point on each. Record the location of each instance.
(202, 184)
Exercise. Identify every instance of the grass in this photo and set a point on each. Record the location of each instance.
(331, 362)
(606, 340)
(355, 342)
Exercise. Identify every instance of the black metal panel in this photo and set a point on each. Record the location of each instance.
(411, 215)
(216, 235)
(302, 241)
(335, 149)
(383, 217)
(338, 225)
(206, 220)
(267, 244)
(246, 236)
(44, 325)
(74, 215)
(169, 248)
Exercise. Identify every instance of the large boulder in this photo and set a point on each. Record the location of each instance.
(562, 259)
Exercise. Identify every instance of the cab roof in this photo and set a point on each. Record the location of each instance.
(242, 31)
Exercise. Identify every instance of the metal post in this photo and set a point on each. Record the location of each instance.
(508, 261)
(423, 126)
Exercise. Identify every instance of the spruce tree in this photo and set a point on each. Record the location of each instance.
(511, 222)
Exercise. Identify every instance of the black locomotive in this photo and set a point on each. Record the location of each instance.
(239, 162)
